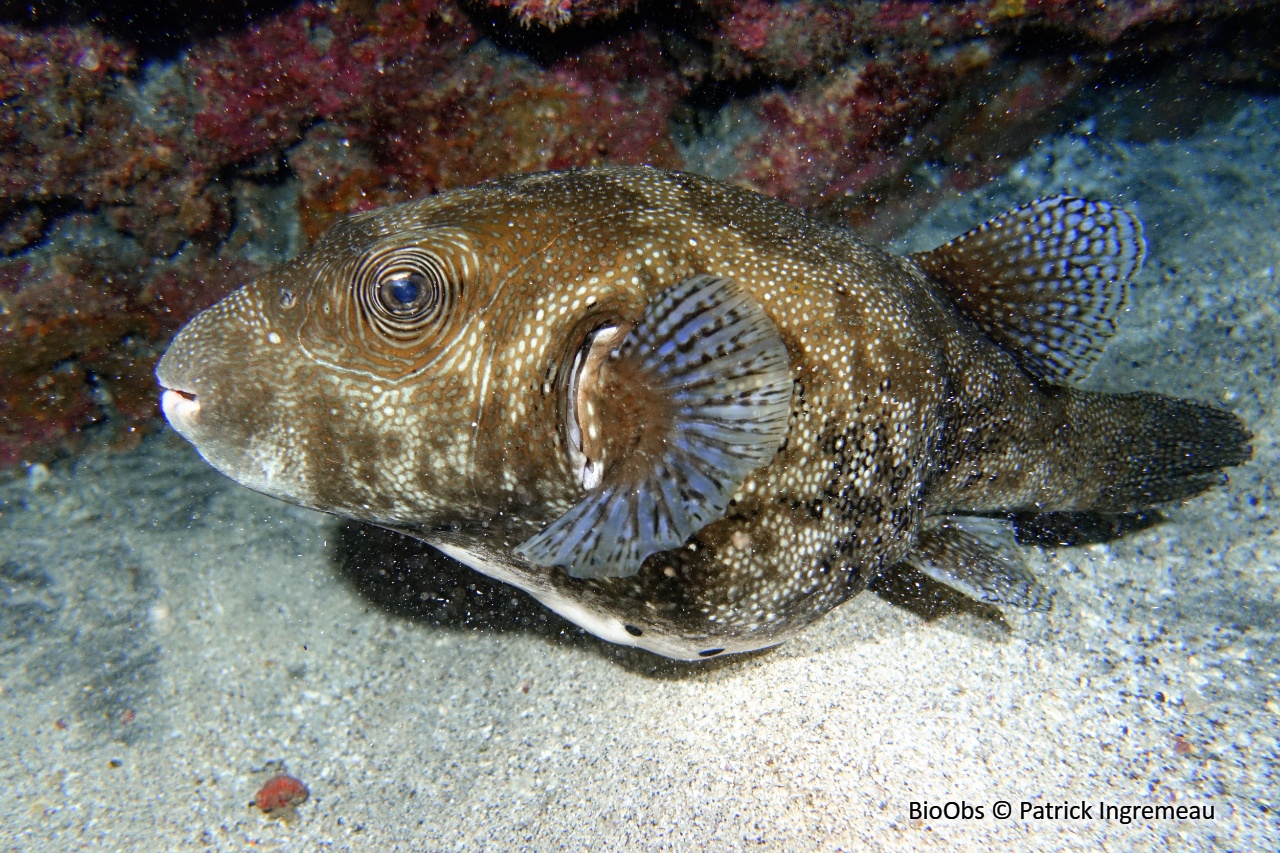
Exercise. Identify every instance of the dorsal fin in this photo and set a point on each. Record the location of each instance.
(1045, 281)
(696, 397)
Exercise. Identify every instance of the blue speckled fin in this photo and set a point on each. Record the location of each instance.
(978, 557)
(1045, 281)
(708, 350)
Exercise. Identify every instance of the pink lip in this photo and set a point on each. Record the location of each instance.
(179, 407)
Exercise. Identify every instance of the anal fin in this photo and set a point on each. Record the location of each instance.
(976, 558)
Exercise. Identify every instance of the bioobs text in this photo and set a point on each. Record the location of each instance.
(1065, 811)
(950, 810)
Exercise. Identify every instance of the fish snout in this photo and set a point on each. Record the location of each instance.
(215, 364)
(180, 401)
(220, 383)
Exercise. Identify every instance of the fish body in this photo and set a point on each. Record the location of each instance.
(682, 415)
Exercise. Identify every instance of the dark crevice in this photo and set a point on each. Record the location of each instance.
(160, 29)
(546, 46)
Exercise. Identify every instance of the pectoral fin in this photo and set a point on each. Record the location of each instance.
(697, 396)
(973, 557)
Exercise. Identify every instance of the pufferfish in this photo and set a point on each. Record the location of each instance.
(685, 416)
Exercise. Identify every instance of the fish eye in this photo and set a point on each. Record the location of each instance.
(400, 301)
(395, 305)
(404, 293)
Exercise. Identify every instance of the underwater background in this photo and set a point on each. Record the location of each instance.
(170, 641)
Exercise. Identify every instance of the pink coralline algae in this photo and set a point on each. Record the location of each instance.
(510, 116)
(312, 63)
(828, 141)
(281, 795)
(259, 90)
(867, 91)
(610, 103)
(783, 39)
(58, 111)
(134, 193)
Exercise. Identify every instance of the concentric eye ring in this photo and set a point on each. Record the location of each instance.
(405, 295)
(390, 302)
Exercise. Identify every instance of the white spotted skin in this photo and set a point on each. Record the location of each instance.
(247, 424)
(459, 438)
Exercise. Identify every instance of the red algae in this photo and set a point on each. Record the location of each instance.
(281, 795)
(133, 194)
(611, 103)
(260, 88)
(314, 62)
(837, 138)
(78, 342)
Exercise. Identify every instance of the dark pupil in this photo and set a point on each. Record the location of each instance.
(402, 292)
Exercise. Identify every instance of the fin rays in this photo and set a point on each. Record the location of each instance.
(710, 349)
(1046, 281)
(978, 557)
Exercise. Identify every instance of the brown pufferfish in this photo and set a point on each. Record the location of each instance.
(685, 416)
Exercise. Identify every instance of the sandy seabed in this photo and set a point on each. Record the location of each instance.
(168, 639)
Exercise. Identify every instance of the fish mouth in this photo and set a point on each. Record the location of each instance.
(180, 407)
(178, 398)
(595, 348)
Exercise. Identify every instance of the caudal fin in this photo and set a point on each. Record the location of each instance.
(1154, 449)
(1046, 282)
